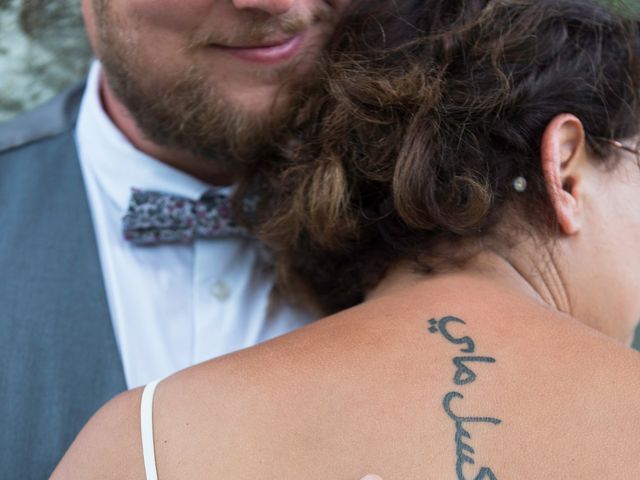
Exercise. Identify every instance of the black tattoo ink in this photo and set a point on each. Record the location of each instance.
(464, 375)
(442, 328)
(462, 434)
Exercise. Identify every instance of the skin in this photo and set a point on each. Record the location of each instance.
(161, 41)
(364, 390)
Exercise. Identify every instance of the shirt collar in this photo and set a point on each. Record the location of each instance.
(117, 165)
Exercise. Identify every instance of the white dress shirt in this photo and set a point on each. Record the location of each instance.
(171, 305)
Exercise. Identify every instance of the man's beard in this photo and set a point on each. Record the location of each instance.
(187, 112)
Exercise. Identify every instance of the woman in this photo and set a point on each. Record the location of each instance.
(477, 188)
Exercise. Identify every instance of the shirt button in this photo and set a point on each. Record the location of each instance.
(220, 290)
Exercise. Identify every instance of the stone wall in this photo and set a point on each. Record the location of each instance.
(43, 49)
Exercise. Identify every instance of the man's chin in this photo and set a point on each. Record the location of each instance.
(259, 103)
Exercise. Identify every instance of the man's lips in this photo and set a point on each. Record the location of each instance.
(269, 52)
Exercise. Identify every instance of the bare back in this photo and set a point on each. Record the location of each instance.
(445, 380)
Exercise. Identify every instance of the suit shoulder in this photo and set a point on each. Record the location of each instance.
(48, 120)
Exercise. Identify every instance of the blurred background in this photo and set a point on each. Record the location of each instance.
(43, 50)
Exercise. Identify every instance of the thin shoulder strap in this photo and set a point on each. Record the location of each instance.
(146, 428)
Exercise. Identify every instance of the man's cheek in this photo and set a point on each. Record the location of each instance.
(180, 15)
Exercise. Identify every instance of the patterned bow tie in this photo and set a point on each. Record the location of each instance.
(155, 218)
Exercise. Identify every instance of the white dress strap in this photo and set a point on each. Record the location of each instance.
(146, 428)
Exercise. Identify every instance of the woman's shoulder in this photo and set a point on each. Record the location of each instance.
(109, 445)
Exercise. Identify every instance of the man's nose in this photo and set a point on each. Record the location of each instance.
(272, 7)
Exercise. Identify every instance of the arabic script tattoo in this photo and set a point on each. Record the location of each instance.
(464, 375)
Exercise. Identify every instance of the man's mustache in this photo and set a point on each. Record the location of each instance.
(262, 32)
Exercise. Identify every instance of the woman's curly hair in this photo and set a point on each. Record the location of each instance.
(422, 116)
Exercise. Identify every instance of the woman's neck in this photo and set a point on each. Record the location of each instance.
(536, 277)
(488, 266)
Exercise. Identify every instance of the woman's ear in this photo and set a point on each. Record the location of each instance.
(564, 161)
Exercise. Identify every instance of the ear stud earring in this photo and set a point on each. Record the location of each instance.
(520, 184)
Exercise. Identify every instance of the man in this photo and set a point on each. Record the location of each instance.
(88, 309)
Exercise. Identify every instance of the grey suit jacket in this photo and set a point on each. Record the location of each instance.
(58, 355)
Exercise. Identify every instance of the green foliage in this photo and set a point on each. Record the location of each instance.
(630, 7)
